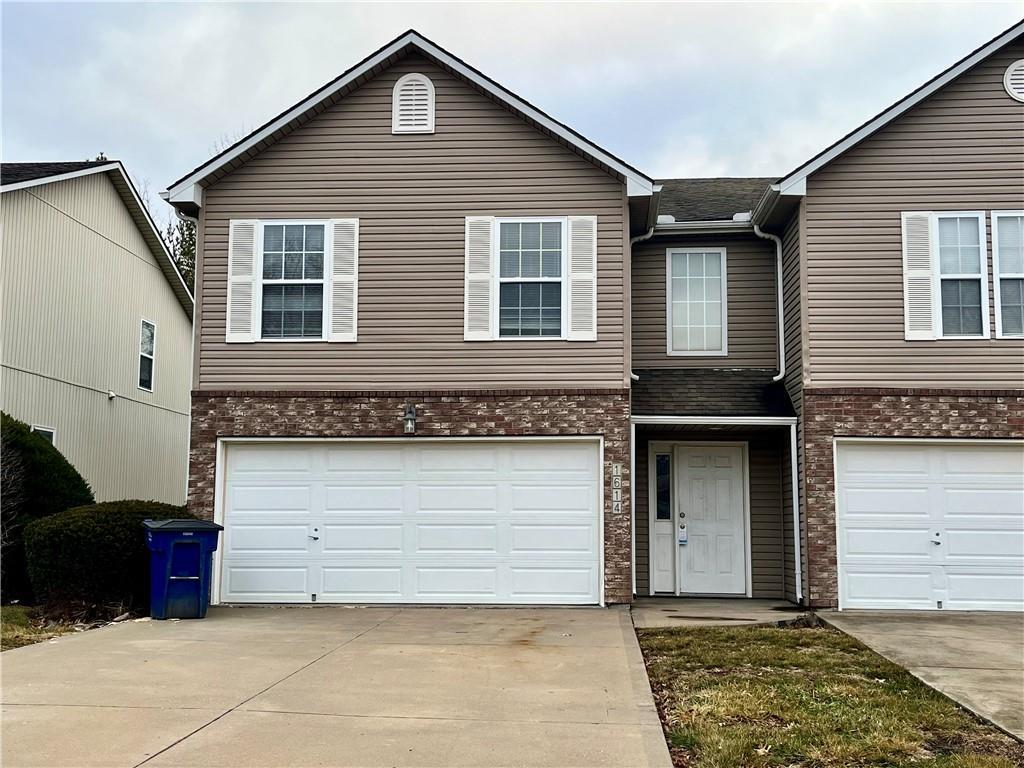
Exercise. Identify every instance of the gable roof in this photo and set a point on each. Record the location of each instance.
(794, 182)
(14, 176)
(710, 199)
(186, 192)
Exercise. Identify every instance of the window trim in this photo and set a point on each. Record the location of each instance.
(497, 279)
(938, 277)
(42, 428)
(325, 319)
(997, 275)
(152, 377)
(724, 350)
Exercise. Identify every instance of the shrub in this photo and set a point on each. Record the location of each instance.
(37, 481)
(95, 554)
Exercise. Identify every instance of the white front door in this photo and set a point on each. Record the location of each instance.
(930, 525)
(711, 521)
(412, 521)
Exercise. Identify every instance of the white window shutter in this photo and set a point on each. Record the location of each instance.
(918, 283)
(582, 316)
(479, 320)
(241, 325)
(344, 280)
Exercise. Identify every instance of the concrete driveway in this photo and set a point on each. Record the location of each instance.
(332, 686)
(977, 659)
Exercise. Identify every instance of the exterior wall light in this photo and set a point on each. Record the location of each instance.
(410, 419)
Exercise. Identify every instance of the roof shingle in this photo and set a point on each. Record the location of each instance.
(709, 392)
(710, 199)
(15, 173)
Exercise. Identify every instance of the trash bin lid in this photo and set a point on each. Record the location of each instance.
(182, 525)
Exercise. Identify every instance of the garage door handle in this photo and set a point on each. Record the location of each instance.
(317, 538)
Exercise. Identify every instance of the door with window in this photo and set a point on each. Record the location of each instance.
(698, 526)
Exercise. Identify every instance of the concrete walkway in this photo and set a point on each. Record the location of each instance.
(652, 612)
(977, 659)
(337, 686)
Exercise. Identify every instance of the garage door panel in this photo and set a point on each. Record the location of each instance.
(418, 521)
(270, 498)
(283, 460)
(458, 498)
(973, 503)
(360, 537)
(363, 498)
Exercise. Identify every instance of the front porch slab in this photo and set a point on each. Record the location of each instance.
(656, 612)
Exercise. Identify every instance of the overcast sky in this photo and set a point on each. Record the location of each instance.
(683, 89)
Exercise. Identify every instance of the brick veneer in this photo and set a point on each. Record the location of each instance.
(829, 413)
(439, 414)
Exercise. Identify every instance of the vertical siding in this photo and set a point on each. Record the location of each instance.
(77, 278)
(411, 194)
(751, 294)
(766, 451)
(960, 149)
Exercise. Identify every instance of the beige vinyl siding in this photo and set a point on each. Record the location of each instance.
(962, 149)
(77, 280)
(751, 293)
(411, 194)
(766, 450)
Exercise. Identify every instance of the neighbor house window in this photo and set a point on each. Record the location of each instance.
(49, 434)
(531, 257)
(292, 281)
(1008, 266)
(696, 306)
(147, 355)
(961, 262)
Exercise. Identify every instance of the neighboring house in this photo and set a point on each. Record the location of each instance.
(97, 327)
(450, 351)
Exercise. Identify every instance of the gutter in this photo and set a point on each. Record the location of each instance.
(778, 299)
(702, 227)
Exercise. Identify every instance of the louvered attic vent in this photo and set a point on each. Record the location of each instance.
(1013, 80)
(412, 105)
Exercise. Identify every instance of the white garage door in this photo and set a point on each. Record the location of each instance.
(411, 522)
(927, 525)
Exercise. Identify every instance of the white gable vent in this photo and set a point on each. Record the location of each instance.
(1013, 80)
(412, 105)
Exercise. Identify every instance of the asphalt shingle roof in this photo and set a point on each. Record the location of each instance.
(710, 199)
(709, 392)
(14, 173)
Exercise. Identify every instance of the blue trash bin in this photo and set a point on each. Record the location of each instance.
(180, 567)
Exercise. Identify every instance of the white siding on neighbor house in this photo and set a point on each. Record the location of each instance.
(77, 280)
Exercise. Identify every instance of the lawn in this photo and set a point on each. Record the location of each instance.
(803, 697)
(21, 625)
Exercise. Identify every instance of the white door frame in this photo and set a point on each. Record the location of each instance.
(220, 482)
(669, 446)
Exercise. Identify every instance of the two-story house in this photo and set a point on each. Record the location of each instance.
(97, 327)
(450, 351)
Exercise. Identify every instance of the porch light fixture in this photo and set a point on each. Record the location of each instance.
(410, 419)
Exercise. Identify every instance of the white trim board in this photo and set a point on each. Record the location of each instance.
(746, 421)
(184, 190)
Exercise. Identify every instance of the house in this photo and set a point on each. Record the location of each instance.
(97, 327)
(448, 350)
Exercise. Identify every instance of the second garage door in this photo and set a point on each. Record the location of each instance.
(930, 525)
(497, 521)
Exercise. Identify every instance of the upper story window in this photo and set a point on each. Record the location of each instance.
(696, 306)
(962, 275)
(530, 269)
(49, 434)
(1008, 269)
(412, 104)
(147, 355)
(292, 296)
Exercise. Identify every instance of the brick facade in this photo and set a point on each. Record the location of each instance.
(862, 412)
(487, 413)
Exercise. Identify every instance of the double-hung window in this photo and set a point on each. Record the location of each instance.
(696, 306)
(147, 355)
(1008, 269)
(531, 265)
(292, 285)
(962, 289)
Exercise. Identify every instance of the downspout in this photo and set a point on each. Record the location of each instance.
(794, 479)
(778, 299)
(633, 241)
